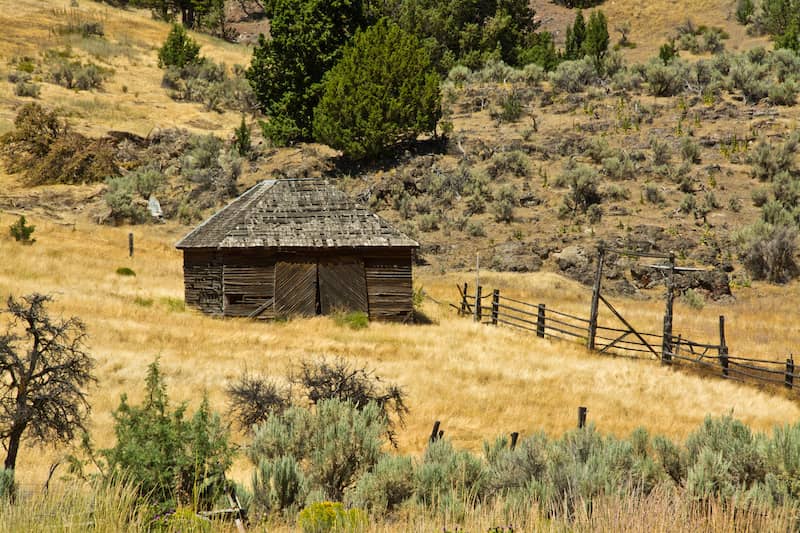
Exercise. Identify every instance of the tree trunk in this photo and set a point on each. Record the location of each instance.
(13, 448)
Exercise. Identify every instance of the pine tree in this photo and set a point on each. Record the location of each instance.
(595, 45)
(383, 91)
(575, 38)
(286, 71)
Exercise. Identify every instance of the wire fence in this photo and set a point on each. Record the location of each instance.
(493, 308)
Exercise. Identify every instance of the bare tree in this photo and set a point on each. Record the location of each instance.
(43, 370)
(338, 379)
(253, 398)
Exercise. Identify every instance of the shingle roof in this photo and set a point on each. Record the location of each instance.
(299, 213)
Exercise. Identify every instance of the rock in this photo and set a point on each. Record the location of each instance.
(516, 257)
(571, 257)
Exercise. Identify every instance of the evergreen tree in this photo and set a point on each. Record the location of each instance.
(576, 35)
(178, 49)
(383, 91)
(595, 45)
(286, 71)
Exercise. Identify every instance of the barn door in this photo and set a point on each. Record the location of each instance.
(295, 288)
(342, 285)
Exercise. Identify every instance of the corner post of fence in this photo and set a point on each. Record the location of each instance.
(464, 306)
(789, 381)
(598, 277)
(723, 347)
(540, 320)
(582, 417)
(130, 244)
(495, 305)
(514, 437)
(666, 342)
(478, 291)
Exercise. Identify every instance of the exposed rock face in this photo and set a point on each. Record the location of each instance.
(516, 257)
(714, 284)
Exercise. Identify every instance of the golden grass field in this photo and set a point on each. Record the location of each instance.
(479, 381)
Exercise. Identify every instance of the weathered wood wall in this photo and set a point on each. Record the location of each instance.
(389, 286)
(239, 282)
(248, 282)
(202, 280)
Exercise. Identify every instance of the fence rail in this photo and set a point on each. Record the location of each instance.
(492, 308)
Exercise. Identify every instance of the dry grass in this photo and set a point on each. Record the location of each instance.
(479, 381)
(133, 99)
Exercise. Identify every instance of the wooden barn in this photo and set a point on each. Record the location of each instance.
(297, 247)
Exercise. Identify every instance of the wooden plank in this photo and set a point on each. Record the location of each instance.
(389, 288)
(295, 288)
(342, 285)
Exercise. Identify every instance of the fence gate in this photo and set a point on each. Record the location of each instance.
(627, 338)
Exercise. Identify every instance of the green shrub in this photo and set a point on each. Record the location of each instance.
(143, 302)
(510, 108)
(723, 451)
(76, 75)
(21, 231)
(768, 252)
(448, 475)
(690, 150)
(662, 152)
(124, 201)
(173, 305)
(125, 271)
(616, 192)
(383, 90)
(475, 229)
(597, 148)
(783, 93)
(168, 457)
(352, 320)
(25, 88)
(503, 205)
(693, 299)
(428, 222)
(513, 162)
(386, 486)
(760, 196)
(768, 160)
(573, 76)
(688, 204)
(178, 49)
(279, 484)
(594, 214)
(583, 191)
(325, 517)
(744, 11)
(318, 439)
(619, 167)
(241, 138)
(666, 80)
(652, 194)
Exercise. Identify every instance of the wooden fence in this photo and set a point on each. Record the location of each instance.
(708, 358)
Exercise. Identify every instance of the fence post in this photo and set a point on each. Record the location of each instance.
(464, 300)
(789, 373)
(598, 277)
(495, 305)
(478, 291)
(434, 432)
(666, 339)
(514, 437)
(581, 417)
(130, 244)
(723, 348)
(540, 321)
